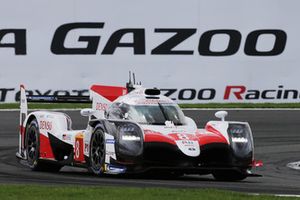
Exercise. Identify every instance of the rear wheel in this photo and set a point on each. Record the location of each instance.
(228, 175)
(97, 152)
(32, 142)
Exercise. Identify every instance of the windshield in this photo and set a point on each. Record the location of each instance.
(156, 114)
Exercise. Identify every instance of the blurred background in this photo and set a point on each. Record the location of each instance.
(197, 51)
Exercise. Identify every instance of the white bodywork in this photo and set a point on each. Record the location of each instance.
(59, 125)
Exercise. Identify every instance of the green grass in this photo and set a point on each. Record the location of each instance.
(206, 105)
(30, 192)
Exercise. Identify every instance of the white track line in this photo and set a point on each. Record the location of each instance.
(276, 195)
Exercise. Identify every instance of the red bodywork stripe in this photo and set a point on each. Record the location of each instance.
(257, 163)
(109, 92)
(22, 131)
(211, 129)
(45, 148)
(158, 137)
(22, 128)
(202, 138)
(208, 138)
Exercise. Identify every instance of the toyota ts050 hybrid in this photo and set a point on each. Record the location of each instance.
(134, 130)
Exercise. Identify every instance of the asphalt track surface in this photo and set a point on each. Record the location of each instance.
(276, 139)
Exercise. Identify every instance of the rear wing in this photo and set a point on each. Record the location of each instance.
(100, 96)
(103, 96)
(58, 99)
(24, 99)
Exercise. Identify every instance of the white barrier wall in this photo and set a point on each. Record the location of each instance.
(198, 51)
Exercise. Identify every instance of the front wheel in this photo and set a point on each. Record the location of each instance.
(97, 152)
(228, 175)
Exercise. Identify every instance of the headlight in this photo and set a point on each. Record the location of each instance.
(131, 138)
(241, 141)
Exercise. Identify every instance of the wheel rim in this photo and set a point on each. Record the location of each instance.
(97, 150)
(32, 144)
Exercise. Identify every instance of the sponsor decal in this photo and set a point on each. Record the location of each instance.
(152, 101)
(5, 92)
(202, 39)
(86, 148)
(66, 137)
(233, 93)
(187, 142)
(189, 147)
(47, 125)
(239, 139)
(109, 153)
(110, 141)
(241, 92)
(101, 106)
(230, 93)
(114, 169)
(78, 149)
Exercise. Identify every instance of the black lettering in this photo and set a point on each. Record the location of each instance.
(279, 93)
(20, 40)
(169, 92)
(57, 46)
(191, 94)
(42, 94)
(233, 44)
(17, 95)
(61, 93)
(252, 38)
(265, 92)
(138, 43)
(166, 48)
(4, 93)
(252, 94)
(286, 94)
(81, 92)
(207, 94)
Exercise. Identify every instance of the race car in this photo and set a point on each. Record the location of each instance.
(133, 129)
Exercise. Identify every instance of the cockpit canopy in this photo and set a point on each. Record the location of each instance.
(153, 114)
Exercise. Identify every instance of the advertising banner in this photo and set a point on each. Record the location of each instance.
(196, 51)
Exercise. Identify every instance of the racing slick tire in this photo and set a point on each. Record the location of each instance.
(228, 175)
(32, 142)
(97, 152)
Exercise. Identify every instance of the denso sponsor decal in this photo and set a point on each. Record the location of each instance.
(47, 125)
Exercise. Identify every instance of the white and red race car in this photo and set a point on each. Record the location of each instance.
(133, 130)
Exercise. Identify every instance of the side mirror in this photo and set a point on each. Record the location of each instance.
(86, 112)
(221, 115)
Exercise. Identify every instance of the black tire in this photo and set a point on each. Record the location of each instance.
(228, 175)
(32, 145)
(97, 152)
